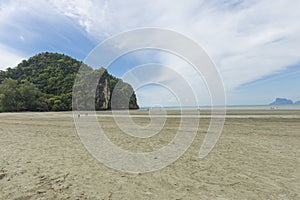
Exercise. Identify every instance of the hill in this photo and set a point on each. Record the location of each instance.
(282, 101)
(45, 82)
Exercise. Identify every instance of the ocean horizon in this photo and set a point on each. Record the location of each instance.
(230, 107)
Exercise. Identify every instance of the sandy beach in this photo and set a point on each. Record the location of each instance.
(256, 157)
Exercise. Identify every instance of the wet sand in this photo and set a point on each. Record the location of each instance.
(256, 157)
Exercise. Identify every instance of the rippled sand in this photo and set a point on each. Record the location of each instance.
(257, 157)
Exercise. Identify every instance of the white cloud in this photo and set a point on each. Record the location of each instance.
(94, 16)
(246, 39)
(9, 57)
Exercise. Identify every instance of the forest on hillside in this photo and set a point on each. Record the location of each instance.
(45, 82)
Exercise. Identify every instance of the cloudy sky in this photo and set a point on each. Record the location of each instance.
(254, 44)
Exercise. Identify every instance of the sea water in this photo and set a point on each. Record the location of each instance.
(230, 107)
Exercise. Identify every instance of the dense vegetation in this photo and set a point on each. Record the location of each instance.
(45, 83)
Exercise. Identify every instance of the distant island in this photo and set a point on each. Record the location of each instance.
(283, 101)
(45, 82)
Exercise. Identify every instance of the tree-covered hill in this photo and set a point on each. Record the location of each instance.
(45, 83)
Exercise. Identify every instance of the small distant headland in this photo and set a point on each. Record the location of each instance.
(283, 101)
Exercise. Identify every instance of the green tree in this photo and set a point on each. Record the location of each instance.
(30, 97)
(9, 95)
(20, 97)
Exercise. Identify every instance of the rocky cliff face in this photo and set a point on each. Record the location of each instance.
(123, 94)
(103, 95)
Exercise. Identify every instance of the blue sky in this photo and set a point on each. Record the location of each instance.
(254, 44)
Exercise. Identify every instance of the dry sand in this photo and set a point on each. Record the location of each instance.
(257, 157)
